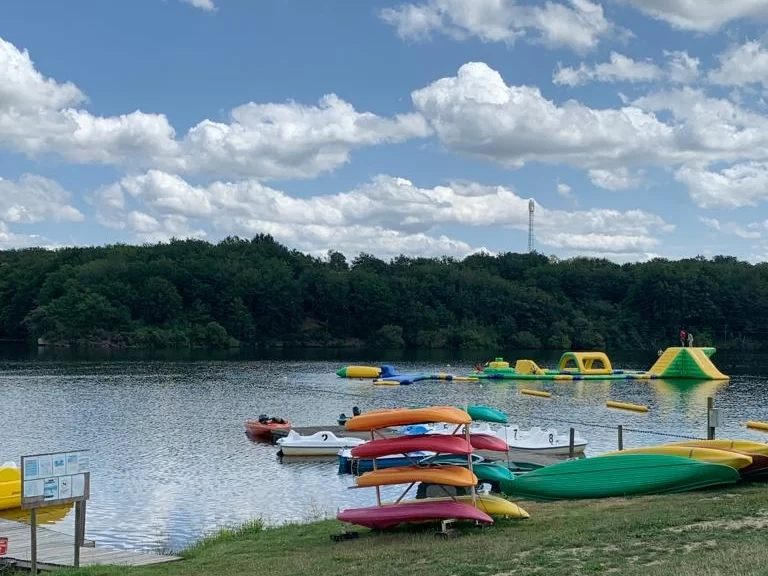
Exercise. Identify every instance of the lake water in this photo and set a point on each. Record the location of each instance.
(170, 460)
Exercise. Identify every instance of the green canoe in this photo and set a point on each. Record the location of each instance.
(632, 474)
(485, 414)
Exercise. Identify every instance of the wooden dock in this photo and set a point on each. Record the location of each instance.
(56, 550)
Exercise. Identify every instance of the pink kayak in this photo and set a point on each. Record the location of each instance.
(382, 517)
(413, 443)
(488, 442)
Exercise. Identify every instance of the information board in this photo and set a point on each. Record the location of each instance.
(55, 478)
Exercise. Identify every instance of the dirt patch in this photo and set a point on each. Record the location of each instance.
(759, 520)
(693, 546)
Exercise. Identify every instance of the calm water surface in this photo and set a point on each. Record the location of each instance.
(170, 459)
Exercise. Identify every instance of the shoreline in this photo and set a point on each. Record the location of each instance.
(689, 534)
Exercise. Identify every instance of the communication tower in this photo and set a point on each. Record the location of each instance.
(530, 225)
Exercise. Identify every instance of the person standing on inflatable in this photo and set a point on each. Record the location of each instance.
(690, 340)
(683, 337)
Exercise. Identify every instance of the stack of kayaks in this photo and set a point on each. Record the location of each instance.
(386, 515)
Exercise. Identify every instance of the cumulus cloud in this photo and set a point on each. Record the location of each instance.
(750, 231)
(577, 24)
(617, 179)
(287, 140)
(477, 114)
(701, 15)
(34, 199)
(742, 65)
(681, 68)
(736, 186)
(386, 216)
(620, 68)
(10, 240)
(206, 5)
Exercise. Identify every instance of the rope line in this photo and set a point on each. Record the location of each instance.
(395, 404)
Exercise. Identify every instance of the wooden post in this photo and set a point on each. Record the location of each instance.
(79, 532)
(710, 428)
(621, 437)
(571, 442)
(33, 541)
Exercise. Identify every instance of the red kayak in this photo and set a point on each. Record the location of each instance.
(264, 425)
(382, 517)
(488, 442)
(444, 444)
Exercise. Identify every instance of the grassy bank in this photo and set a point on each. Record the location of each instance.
(702, 533)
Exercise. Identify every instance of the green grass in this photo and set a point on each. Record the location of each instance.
(694, 534)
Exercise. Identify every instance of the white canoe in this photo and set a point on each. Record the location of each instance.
(538, 440)
(322, 443)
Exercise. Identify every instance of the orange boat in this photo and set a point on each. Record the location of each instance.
(376, 419)
(446, 475)
(264, 425)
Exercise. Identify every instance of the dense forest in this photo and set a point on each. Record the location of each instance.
(191, 293)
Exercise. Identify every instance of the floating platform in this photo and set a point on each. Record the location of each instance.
(674, 363)
(56, 550)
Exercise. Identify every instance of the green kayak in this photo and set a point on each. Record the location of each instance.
(631, 474)
(485, 414)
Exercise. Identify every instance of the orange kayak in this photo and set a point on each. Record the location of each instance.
(377, 419)
(446, 475)
(265, 426)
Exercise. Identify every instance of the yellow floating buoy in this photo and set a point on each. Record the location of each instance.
(757, 425)
(386, 383)
(530, 392)
(626, 406)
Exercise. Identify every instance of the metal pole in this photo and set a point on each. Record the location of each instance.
(571, 442)
(621, 437)
(710, 428)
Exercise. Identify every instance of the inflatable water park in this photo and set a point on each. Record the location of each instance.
(673, 363)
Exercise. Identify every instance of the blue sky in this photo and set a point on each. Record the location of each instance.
(638, 126)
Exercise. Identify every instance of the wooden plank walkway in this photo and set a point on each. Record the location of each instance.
(56, 550)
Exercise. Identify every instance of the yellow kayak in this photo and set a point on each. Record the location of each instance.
(711, 455)
(749, 446)
(49, 515)
(488, 503)
(447, 475)
(385, 418)
(10, 487)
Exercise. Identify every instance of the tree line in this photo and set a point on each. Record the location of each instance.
(257, 292)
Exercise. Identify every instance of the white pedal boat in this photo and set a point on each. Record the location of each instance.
(322, 443)
(538, 440)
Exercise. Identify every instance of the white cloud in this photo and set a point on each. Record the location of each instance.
(476, 113)
(620, 68)
(385, 216)
(616, 179)
(10, 240)
(681, 68)
(578, 25)
(287, 140)
(732, 187)
(35, 199)
(206, 5)
(564, 190)
(701, 15)
(751, 231)
(742, 65)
